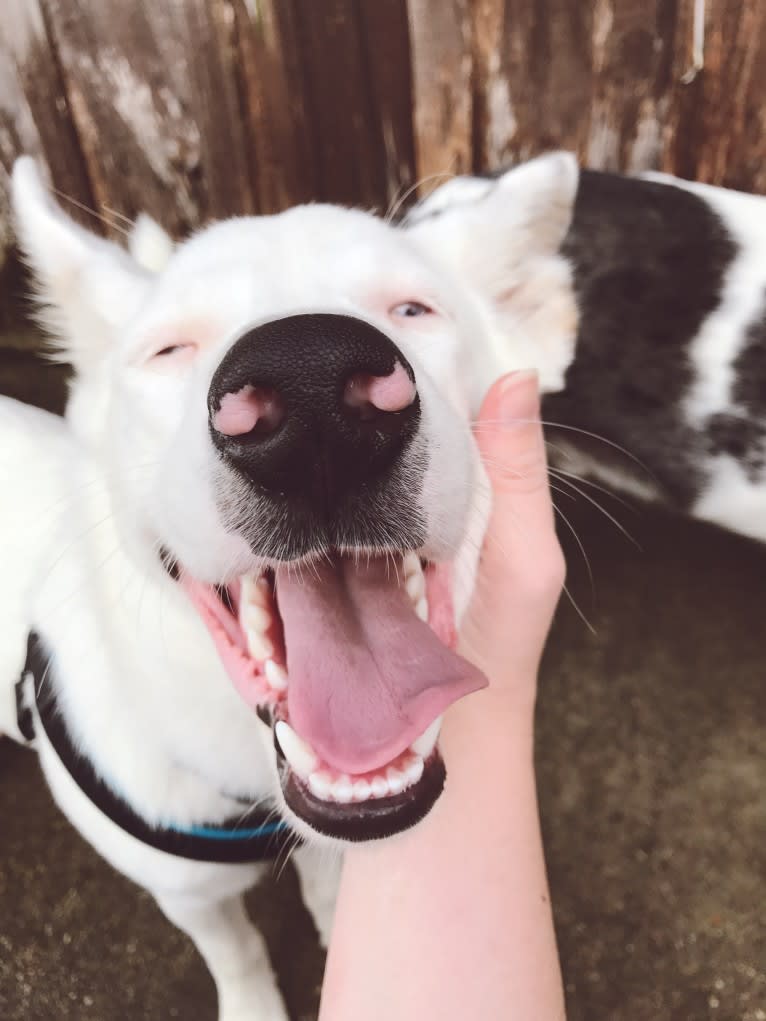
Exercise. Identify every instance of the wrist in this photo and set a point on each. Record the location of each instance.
(486, 731)
(509, 707)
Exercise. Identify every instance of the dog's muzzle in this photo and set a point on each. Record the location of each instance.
(312, 409)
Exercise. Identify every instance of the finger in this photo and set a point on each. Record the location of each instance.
(510, 440)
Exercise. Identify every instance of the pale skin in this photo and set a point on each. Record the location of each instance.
(452, 920)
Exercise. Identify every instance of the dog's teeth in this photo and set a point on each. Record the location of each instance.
(379, 787)
(362, 790)
(258, 645)
(411, 564)
(276, 675)
(426, 743)
(257, 618)
(300, 755)
(320, 785)
(413, 770)
(255, 590)
(416, 587)
(396, 780)
(422, 609)
(342, 790)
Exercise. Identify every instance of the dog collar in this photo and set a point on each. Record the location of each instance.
(253, 836)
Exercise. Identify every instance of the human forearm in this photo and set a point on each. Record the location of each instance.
(454, 926)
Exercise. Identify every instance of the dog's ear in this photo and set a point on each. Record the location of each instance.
(501, 238)
(149, 244)
(86, 287)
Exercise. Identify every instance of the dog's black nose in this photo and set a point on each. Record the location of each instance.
(313, 406)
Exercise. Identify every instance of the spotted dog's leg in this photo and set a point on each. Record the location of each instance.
(235, 953)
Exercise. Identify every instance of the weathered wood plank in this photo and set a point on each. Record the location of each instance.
(126, 76)
(35, 117)
(207, 30)
(716, 124)
(282, 161)
(614, 81)
(442, 62)
(344, 135)
(532, 78)
(387, 55)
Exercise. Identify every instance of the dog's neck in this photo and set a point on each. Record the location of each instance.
(139, 646)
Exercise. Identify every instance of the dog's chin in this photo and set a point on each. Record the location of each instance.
(367, 819)
(350, 662)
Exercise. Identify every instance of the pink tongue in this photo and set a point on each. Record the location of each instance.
(367, 676)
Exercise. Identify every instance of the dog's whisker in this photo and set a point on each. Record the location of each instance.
(559, 472)
(397, 203)
(499, 423)
(604, 511)
(92, 212)
(577, 539)
(578, 611)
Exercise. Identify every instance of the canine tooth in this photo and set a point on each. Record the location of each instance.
(414, 770)
(362, 790)
(320, 785)
(411, 564)
(422, 609)
(379, 787)
(276, 675)
(396, 780)
(416, 587)
(342, 790)
(425, 744)
(256, 590)
(299, 754)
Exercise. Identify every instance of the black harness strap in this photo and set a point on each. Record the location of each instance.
(253, 836)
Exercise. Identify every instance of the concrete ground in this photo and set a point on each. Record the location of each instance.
(653, 792)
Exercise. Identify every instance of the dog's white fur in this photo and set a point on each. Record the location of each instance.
(132, 466)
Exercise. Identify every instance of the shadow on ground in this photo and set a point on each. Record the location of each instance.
(653, 792)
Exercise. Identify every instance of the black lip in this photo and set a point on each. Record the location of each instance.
(358, 822)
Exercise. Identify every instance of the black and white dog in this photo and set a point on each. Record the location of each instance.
(241, 560)
(642, 301)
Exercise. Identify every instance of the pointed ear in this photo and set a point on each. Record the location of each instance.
(87, 287)
(527, 209)
(149, 244)
(501, 238)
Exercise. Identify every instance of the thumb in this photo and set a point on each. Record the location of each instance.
(521, 568)
(509, 436)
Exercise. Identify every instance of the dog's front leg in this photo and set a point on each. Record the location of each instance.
(235, 953)
(319, 875)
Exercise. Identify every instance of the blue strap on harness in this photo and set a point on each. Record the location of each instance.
(253, 836)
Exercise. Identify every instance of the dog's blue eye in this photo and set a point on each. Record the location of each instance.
(410, 309)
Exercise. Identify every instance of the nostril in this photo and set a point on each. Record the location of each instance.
(253, 409)
(369, 394)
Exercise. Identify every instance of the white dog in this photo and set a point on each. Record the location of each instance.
(243, 556)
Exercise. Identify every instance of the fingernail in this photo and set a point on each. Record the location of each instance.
(520, 395)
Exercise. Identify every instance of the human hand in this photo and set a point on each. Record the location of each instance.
(521, 569)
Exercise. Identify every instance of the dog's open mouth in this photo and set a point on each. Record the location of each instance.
(350, 660)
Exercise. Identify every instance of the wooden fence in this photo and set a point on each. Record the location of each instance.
(195, 109)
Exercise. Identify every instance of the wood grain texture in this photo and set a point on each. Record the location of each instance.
(716, 125)
(441, 34)
(345, 136)
(126, 75)
(282, 161)
(199, 109)
(35, 116)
